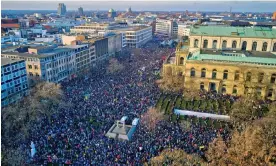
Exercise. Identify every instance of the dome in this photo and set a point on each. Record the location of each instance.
(111, 10)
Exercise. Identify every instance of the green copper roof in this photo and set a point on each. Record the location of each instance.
(236, 59)
(111, 10)
(251, 32)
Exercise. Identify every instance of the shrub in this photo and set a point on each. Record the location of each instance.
(183, 104)
(178, 102)
(159, 102)
(203, 105)
(165, 104)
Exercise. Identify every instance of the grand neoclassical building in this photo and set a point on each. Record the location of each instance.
(229, 60)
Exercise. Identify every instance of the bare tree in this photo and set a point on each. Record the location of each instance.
(17, 118)
(253, 146)
(176, 157)
(114, 66)
(150, 118)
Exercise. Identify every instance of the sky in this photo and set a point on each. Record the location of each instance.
(141, 5)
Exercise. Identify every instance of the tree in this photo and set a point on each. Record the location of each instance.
(114, 66)
(216, 152)
(176, 157)
(17, 118)
(272, 110)
(151, 118)
(244, 110)
(253, 146)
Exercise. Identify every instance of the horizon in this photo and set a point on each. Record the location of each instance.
(202, 6)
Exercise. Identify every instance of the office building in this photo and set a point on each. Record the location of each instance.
(80, 11)
(111, 13)
(183, 30)
(135, 37)
(48, 63)
(61, 9)
(167, 28)
(14, 82)
(211, 67)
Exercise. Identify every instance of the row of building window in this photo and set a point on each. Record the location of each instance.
(235, 91)
(236, 75)
(12, 67)
(234, 45)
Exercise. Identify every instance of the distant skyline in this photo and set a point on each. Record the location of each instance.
(220, 6)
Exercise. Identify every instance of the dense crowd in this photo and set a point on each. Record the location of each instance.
(76, 135)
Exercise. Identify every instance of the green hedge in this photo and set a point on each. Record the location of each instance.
(165, 104)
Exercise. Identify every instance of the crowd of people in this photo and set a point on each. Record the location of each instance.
(76, 135)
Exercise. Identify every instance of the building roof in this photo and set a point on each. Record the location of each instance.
(111, 10)
(74, 46)
(10, 25)
(42, 55)
(5, 61)
(263, 58)
(250, 32)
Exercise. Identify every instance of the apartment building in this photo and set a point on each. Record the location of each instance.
(84, 53)
(14, 82)
(49, 63)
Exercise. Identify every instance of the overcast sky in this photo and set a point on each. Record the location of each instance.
(200, 5)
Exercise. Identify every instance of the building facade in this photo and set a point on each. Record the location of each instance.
(84, 54)
(61, 9)
(233, 38)
(183, 30)
(80, 11)
(164, 27)
(14, 82)
(235, 72)
(137, 36)
(114, 44)
(48, 63)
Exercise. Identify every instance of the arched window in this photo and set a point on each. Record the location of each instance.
(237, 75)
(264, 48)
(260, 77)
(203, 73)
(224, 44)
(225, 74)
(248, 76)
(214, 74)
(234, 44)
(205, 43)
(269, 93)
(192, 72)
(259, 91)
(254, 46)
(223, 89)
(196, 43)
(181, 61)
(235, 91)
(274, 47)
(201, 86)
(244, 44)
(215, 44)
(273, 78)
